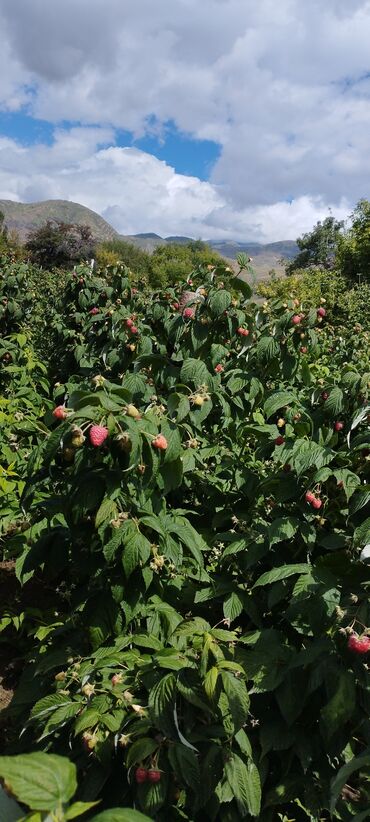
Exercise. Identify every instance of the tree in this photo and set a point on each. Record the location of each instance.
(173, 262)
(58, 244)
(354, 248)
(319, 246)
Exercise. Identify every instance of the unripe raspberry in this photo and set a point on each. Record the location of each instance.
(133, 412)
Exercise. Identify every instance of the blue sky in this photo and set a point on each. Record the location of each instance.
(225, 119)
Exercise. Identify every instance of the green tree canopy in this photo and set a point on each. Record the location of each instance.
(319, 246)
(58, 244)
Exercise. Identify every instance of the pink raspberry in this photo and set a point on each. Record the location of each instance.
(188, 313)
(94, 310)
(321, 312)
(98, 434)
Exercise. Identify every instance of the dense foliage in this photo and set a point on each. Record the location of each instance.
(188, 510)
(60, 244)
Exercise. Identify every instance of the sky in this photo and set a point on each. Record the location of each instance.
(217, 119)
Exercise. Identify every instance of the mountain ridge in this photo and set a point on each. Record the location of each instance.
(25, 217)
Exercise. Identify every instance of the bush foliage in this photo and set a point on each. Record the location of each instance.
(186, 504)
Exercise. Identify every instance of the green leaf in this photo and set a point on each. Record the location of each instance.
(281, 573)
(342, 704)
(140, 750)
(136, 551)
(355, 764)
(106, 511)
(245, 783)
(210, 682)
(121, 815)
(78, 809)
(281, 529)
(232, 606)
(219, 302)
(196, 372)
(277, 401)
(240, 285)
(362, 533)
(161, 703)
(360, 498)
(43, 782)
(238, 698)
(185, 764)
(334, 403)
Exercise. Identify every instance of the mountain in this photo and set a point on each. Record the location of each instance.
(24, 217)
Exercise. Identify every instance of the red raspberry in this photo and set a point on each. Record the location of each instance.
(133, 329)
(338, 426)
(316, 503)
(141, 775)
(303, 349)
(98, 434)
(321, 312)
(154, 776)
(129, 322)
(296, 319)
(160, 442)
(176, 306)
(324, 395)
(243, 332)
(219, 368)
(60, 412)
(94, 310)
(279, 440)
(188, 313)
(309, 497)
(358, 644)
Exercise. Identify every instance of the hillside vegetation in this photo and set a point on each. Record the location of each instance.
(185, 537)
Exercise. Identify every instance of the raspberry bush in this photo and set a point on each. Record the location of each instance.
(204, 528)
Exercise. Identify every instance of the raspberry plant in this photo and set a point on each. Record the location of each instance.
(205, 599)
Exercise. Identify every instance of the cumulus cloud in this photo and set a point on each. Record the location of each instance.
(135, 191)
(283, 88)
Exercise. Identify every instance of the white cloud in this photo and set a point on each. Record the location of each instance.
(283, 87)
(136, 192)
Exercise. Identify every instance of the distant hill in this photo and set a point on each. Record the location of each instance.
(24, 217)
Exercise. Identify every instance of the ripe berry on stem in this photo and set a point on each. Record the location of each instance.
(154, 776)
(358, 644)
(98, 434)
(338, 426)
(160, 443)
(296, 319)
(60, 412)
(279, 440)
(141, 775)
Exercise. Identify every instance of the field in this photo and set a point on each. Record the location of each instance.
(185, 535)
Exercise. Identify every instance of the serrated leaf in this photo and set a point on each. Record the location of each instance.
(281, 529)
(185, 765)
(355, 764)
(43, 782)
(277, 401)
(281, 573)
(139, 750)
(121, 815)
(342, 704)
(245, 783)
